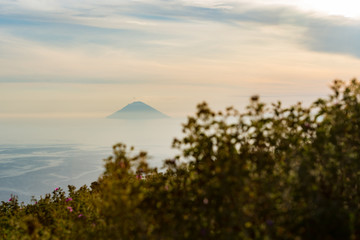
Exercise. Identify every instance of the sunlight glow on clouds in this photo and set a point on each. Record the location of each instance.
(347, 8)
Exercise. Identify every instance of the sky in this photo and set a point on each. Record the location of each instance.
(88, 59)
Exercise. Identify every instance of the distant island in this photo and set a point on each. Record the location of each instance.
(138, 110)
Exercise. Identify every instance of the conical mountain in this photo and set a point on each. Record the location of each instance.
(138, 110)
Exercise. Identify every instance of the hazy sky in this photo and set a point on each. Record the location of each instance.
(87, 58)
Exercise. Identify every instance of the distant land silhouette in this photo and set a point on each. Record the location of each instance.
(137, 110)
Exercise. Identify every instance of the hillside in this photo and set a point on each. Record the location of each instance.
(289, 173)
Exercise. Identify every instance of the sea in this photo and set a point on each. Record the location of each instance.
(39, 155)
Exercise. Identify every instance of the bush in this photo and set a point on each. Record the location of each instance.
(269, 173)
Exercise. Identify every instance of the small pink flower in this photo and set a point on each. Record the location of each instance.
(10, 199)
(80, 215)
(122, 164)
(69, 199)
(36, 202)
(56, 189)
(166, 187)
(70, 209)
(139, 176)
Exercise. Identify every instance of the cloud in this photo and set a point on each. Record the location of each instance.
(334, 37)
(136, 24)
(192, 43)
(331, 34)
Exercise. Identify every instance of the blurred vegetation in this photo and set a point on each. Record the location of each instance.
(272, 172)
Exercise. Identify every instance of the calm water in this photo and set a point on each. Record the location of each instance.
(36, 156)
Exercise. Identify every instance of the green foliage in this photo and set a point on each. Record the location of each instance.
(269, 173)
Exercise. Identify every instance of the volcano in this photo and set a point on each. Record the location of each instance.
(138, 110)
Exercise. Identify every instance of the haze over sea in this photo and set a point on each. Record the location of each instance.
(38, 155)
